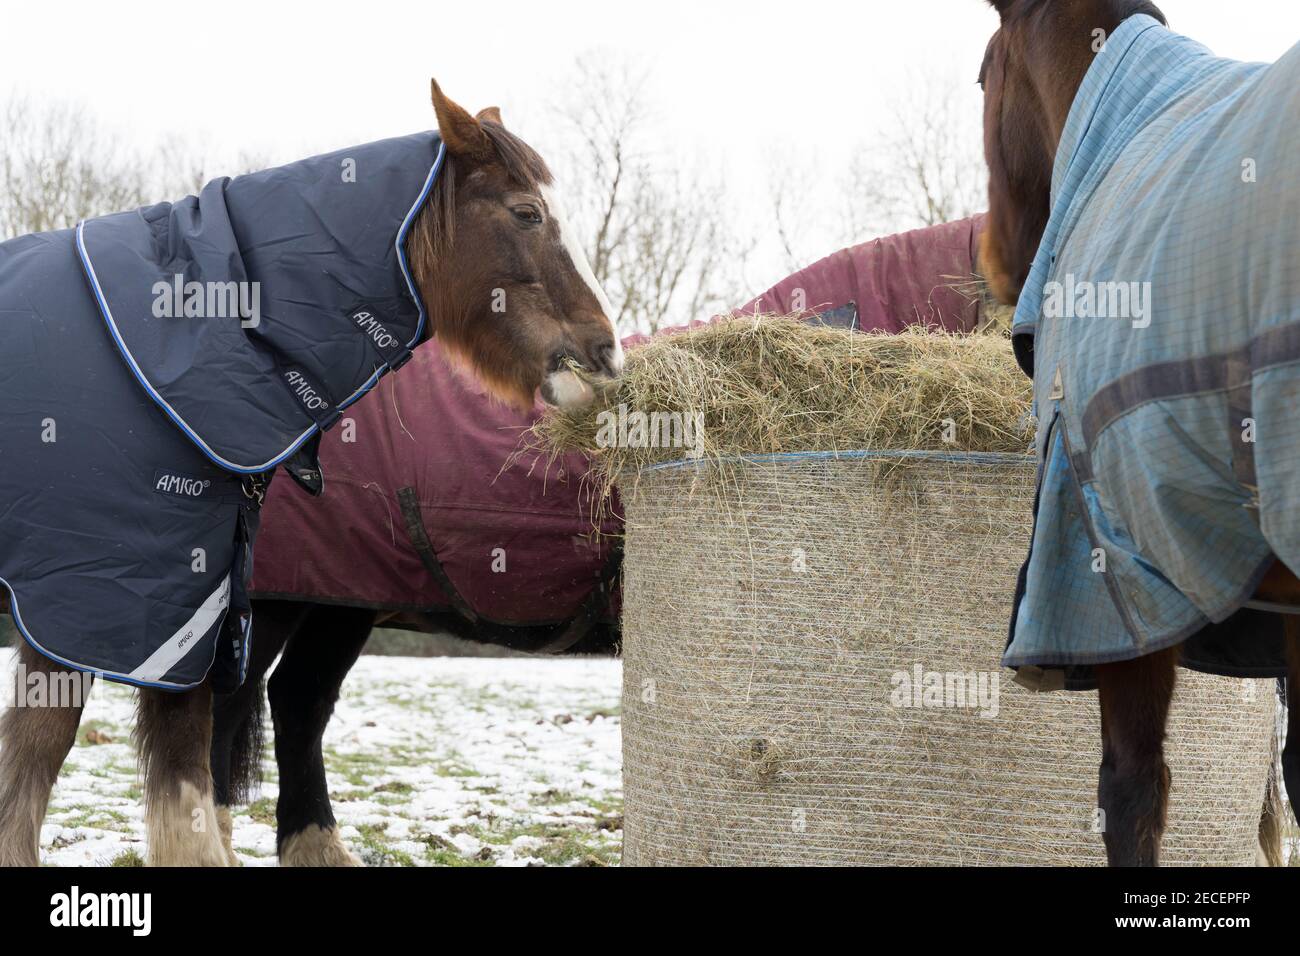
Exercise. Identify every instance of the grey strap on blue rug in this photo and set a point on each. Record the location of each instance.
(156, 365)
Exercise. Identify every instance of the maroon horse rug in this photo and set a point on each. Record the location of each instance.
(922, 277)
(423, 514)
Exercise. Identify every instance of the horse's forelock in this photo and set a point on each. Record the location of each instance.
(522, 163)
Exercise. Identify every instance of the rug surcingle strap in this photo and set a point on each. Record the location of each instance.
(415, 530)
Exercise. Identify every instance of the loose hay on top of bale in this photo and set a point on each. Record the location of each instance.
(814, 610)
(771, 384)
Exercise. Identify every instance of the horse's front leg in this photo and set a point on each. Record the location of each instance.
(303, 691)
(237, 717)
(174, 737)
(1133, 789)
(36, 733)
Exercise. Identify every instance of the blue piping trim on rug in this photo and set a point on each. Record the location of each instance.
(297, 442)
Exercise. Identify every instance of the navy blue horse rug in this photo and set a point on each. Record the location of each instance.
(1161, 323)
(157, 365)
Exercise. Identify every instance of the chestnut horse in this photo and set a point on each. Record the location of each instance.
(510, 295)
(1032, 70)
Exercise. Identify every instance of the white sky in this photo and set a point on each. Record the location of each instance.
(733, 80)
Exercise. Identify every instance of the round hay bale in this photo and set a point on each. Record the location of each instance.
(779, 614)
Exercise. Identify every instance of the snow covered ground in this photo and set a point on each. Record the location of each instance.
(431, 761)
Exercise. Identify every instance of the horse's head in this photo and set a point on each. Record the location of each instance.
(1032, 69)
(509, 289)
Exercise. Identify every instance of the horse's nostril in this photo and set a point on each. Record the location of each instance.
(607, 359)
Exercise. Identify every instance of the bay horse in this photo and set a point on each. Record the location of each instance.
(1033, 69)
(510, 295)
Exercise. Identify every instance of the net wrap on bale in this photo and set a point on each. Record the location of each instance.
(815, 604)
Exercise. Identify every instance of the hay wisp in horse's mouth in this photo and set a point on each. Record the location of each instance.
(574, 385)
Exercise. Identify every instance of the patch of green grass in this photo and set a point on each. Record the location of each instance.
(376, 848)
(101, 818)
(361, 769)
(393, 793)
(442, 852)
(349, 796)
(605, 806)
(550, 798)
(127, 858)
(99, 728)
(358, 769)
(573, 850)
(451, 767)
(561, 845)
(261, 811)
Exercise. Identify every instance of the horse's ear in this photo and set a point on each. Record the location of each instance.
(461, 132)
(1002, 6)
(490, 115)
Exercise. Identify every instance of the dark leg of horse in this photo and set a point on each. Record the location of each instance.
(173, 734)
(303, 691)
(237, 717)
(34, 742)
(1291, 752)
(1133, 789)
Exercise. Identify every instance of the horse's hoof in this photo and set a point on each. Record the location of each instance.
(317, 846)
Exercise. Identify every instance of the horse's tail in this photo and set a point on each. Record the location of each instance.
(246, 749)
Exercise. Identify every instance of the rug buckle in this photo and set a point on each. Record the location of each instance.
(254, 487)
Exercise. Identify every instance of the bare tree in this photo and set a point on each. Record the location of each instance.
(57, 166)
(927, 167)
(182, 166)
(797, 210)
(657, 232)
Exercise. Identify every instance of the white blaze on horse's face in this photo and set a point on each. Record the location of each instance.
(563, 387)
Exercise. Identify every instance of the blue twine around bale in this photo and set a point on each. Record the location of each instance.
(966, 457)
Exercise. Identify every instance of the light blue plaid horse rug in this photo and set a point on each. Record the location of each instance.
(1161, 323)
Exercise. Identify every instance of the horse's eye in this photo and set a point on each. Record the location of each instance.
(529, 214)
